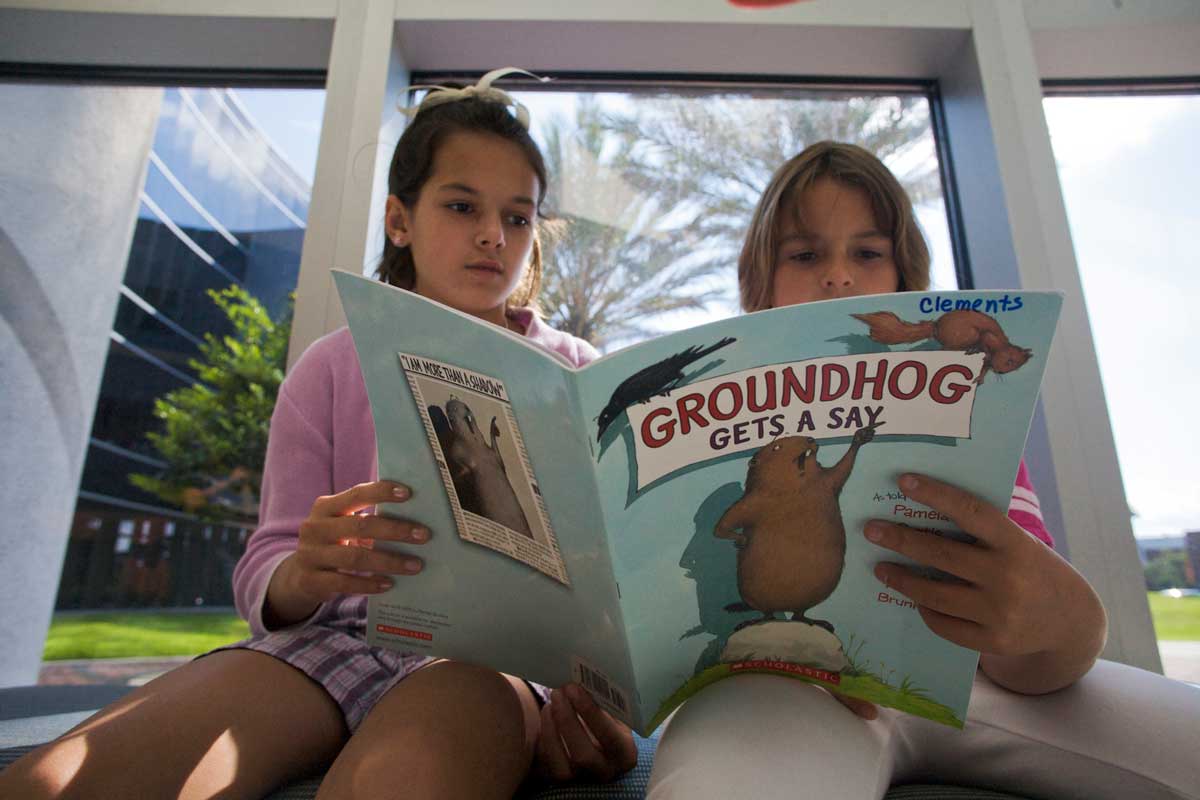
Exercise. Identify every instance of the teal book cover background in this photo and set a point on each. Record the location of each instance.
(634, 568)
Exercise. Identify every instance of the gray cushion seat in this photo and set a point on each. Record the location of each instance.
(30, 715)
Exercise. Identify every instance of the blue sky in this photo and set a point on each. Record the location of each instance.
(1129, 176)
(291, 119)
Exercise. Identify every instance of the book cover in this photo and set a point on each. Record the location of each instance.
(692, 507)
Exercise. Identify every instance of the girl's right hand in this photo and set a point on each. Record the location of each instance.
(336, 554)
(578, 739)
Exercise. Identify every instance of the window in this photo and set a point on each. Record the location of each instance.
(652, 189)
(1128, 173)
(223, 204)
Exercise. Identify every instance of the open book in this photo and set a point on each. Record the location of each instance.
(692, 507)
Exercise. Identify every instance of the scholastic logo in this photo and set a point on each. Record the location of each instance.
(392, 629)
(784, 666)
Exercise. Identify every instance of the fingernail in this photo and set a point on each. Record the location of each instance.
(882, 575)
(412, 565)
(419, 534)
(401, 492)
(384, 585)
(908, 482)
(874, 532)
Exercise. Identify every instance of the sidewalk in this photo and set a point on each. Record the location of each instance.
(126, 671)
(1181, 660)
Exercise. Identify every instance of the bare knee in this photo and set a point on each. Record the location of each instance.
(47, 772)
(209, 727)
(451, 729)
(451, 696)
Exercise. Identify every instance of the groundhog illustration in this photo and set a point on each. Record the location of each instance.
(479, 468)
(966, 330)
(788, 527)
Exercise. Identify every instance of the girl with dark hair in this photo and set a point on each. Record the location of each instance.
(306, 691)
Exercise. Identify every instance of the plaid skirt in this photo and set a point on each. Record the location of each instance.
(332, 650)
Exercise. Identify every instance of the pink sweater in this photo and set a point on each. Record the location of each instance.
(323, 441)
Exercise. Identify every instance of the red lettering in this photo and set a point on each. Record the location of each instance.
(876, 380)
(784, 666)
(792, 387)
(921, 373)
(955, 390)
(828, 371)
(735, 393)
(769, 403)
(392, 629)
(660, 435)
(688, 406)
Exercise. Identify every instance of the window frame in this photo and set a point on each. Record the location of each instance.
(616, 81)
(987, 57)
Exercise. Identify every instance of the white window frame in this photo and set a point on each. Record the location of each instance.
(988, 57)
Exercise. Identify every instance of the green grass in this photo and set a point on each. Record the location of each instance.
(125, 635)
(1175, 618)
(867, 687)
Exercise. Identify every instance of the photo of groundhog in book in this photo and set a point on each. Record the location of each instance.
(477, 467)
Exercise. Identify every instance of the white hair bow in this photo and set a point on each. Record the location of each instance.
(483, 90)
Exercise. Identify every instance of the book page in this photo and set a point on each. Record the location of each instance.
(739, 461)
(484, 426)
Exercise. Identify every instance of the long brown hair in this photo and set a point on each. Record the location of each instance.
(853, 166)
(412, 162)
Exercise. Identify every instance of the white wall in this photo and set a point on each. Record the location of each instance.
(72, 164)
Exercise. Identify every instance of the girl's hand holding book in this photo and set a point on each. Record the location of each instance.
(578, 739)
(1036, 621)
(336, 553)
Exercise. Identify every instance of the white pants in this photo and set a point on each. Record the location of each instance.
(1119, 732)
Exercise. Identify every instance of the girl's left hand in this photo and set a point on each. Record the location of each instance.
(579, 739)
(1016, 601)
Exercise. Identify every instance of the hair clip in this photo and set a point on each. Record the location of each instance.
(484, 90)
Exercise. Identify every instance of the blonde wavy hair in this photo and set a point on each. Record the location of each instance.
(853, 166)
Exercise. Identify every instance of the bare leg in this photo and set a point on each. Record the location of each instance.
(232, 724)
(450, 730)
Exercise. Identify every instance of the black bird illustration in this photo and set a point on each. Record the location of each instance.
(656, 379)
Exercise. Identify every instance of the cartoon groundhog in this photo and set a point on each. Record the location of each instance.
(966, 330)
(479, 468)
(788, 527)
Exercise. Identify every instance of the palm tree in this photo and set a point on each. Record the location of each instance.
(613, 261)
(652, 195)
(710, 158)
